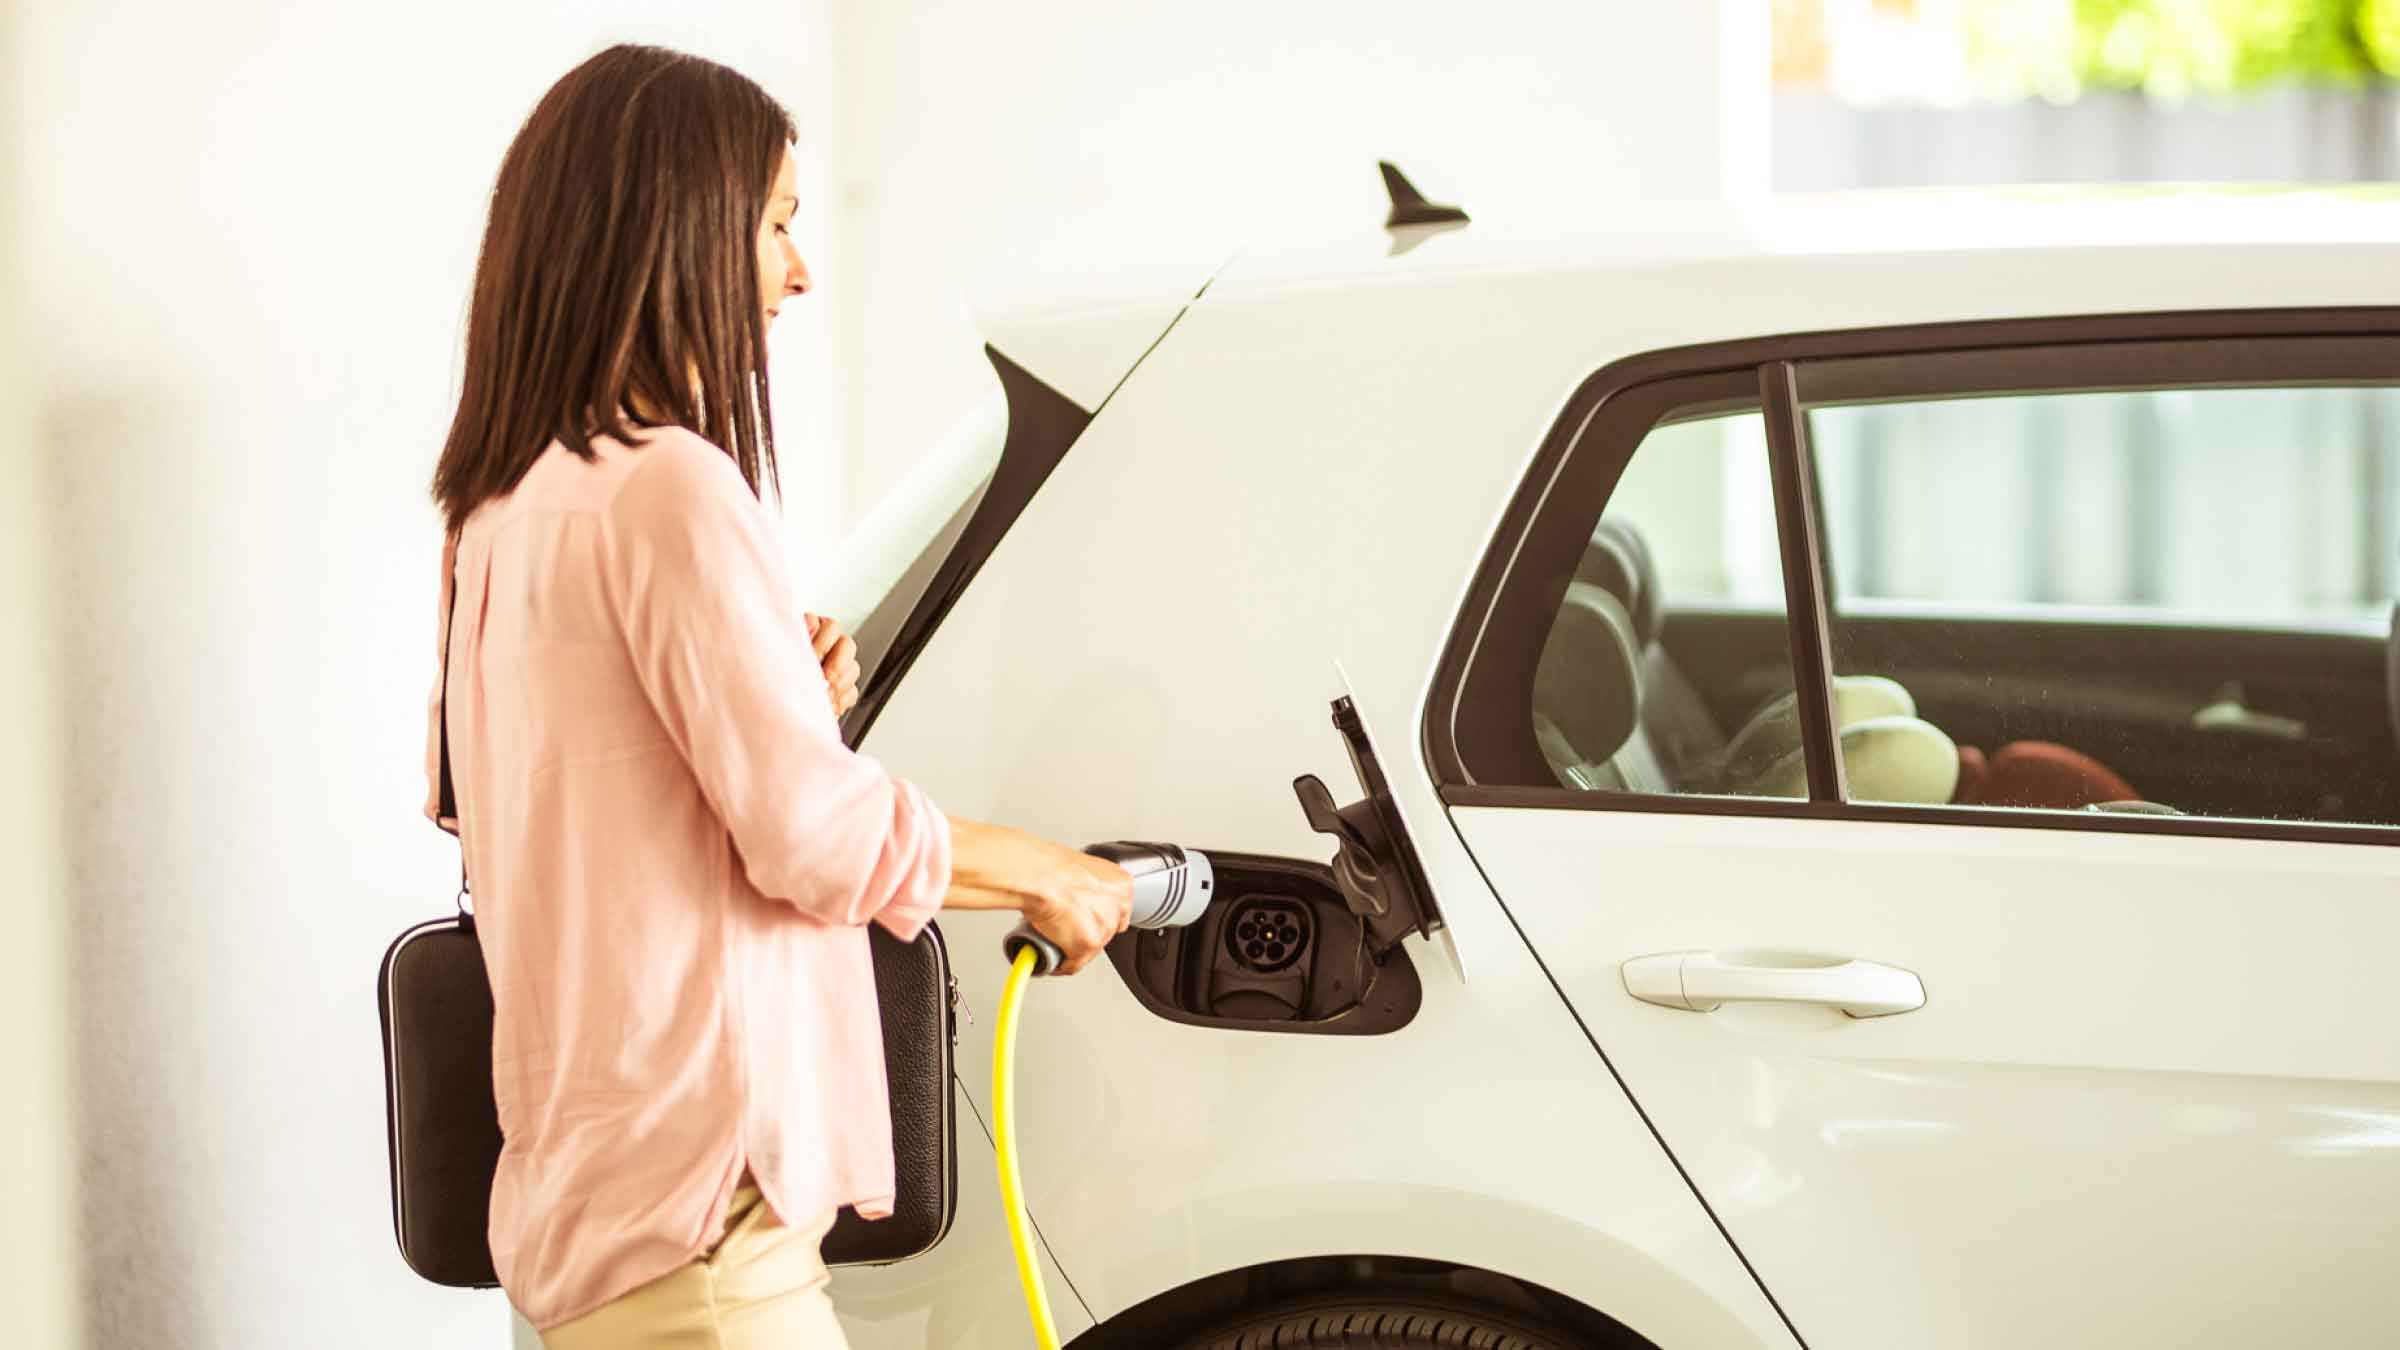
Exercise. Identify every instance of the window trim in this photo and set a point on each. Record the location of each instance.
(1785, 808)
(1792, 464)
(2072, 368)
(1774, 363)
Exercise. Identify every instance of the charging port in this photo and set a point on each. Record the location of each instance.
(1269, 933)
(1280, 950)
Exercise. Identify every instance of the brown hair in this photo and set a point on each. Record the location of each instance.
(618, 283)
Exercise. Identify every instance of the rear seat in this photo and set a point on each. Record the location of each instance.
(1587, 697)
(1613, 712)
(1610, 708)
(1677, 730)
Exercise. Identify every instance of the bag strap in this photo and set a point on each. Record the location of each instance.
(447, 808)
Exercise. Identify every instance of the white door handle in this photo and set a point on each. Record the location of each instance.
(1702, 981)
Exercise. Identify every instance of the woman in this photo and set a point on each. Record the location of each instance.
(673, 854)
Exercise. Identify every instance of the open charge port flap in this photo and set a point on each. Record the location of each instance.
(1375, 865)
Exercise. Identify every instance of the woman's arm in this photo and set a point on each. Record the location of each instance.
(692, 567)
(1070, 897)
(728, 664)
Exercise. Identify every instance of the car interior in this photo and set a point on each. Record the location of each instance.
(1634, 695)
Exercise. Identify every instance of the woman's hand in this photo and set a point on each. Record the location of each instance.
(839, 655)
(1085, 903)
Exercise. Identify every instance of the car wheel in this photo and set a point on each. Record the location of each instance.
(1366, 1322)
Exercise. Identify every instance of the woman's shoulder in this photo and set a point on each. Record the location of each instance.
(672, 478)
(667, 464)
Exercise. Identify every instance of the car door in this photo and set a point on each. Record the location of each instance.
(2114, 1060)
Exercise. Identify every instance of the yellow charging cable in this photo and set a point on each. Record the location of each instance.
(1004, 1130)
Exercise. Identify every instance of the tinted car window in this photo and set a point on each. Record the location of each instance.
(2126, 600)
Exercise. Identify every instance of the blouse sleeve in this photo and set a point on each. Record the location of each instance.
(721, 647)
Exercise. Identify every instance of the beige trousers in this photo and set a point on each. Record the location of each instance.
(761, 1287)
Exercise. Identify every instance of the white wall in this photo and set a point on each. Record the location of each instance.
(37, 1149)
(251, 227)
(975, 133)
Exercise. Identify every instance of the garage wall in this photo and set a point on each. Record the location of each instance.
(980, 135)
(37, 1151)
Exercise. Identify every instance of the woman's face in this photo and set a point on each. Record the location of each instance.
(781, 274)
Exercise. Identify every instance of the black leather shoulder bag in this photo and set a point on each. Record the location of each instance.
(435, 1000)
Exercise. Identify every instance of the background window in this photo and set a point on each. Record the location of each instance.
(1903, 93)
(2157, 601)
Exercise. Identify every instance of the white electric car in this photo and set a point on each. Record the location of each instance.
(1865, 747)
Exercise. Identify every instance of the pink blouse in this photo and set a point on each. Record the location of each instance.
(673, 858)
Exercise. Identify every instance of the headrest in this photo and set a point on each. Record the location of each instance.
(1895, 760)
(1618, 560)
(1589, 681)
(1773, 732)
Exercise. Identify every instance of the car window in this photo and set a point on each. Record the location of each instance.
(2258, 506)
(1666, 668)
(2138, 600)
(2122, 573)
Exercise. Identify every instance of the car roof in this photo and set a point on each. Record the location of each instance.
(1670, 273)
(1940, 228)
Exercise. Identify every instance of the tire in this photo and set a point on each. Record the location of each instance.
(1366, 1322)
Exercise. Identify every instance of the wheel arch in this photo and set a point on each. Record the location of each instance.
(1146, 1282)
(1194, 1308)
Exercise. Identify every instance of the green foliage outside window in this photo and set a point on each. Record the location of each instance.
(2058, 49)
